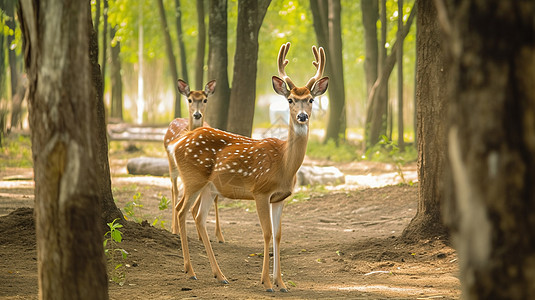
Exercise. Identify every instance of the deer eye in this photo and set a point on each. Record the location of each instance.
(205, 100)
(290, 101)
(311, 100)
(189, 100)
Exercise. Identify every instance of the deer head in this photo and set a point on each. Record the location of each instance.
(196, 101)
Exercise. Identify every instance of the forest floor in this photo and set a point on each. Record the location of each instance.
(337, 243)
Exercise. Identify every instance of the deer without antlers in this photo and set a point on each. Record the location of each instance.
(197, 101)
(239, 167)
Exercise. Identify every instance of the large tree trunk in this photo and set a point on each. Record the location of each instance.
(201, 45)
(170, 56)
(62, 117)
(116, 78)
(369, 20)
(217, 111)
(181, 45)
(243, 94)
(491, 208)
(104, 44)
(432, 102)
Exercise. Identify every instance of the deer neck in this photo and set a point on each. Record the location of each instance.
(195, 123)
(296, 146)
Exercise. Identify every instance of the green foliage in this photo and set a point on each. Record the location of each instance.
(16, 152)
(388, 151)
(162, 205)
(344, 152)
(131, 208)
(112, 239)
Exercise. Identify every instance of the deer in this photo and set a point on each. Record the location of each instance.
(197, 101)
(212, 161)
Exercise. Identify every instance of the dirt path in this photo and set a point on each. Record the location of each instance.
(338, 244)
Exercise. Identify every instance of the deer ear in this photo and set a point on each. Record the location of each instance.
(183, 87)
(320, 87)
(209, 89)
(280, 86)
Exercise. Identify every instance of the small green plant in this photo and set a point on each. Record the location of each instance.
(163, 205)
(130, 208)
(16, 151)
(112, 239)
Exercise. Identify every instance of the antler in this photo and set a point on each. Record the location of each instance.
(319, 63)
(282, 62)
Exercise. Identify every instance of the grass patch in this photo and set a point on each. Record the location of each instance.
(16, 152)
(344, 152)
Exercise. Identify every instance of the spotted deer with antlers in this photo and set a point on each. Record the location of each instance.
(239, 167)
(197, 102)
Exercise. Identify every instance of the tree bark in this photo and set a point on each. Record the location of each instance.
(369, 20)
(17, 87)
(170, 56)
(217, 111)
(201, 45)
(104, 44)
(491, 207)
(432, 102)
(69, 243)
(181, 45)
(116, 78)
(375, 126)
(243, 94)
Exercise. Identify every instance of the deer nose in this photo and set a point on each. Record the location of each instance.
(197, 115)
(302, 117)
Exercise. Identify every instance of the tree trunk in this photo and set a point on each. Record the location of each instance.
(336, 125)
(62, 117)
(375, 126)
(104, 43)
(401, 141)
(432, 102)
(16, 96)
(170, 56)
(181, 45)
(243, 94)
(490, 209)
(96, 22)
(201, 45)
(116, 78)
(369, 20)
(217, 111)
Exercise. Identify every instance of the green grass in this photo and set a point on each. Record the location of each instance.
(16, 152)
(344, 152)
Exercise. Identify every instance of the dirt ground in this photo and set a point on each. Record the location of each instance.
(336, 243)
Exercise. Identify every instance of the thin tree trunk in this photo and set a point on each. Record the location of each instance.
(401, 142)
(369, 20)
(490, 208)
(243, 94)
(96, 22)
(201, 45)
(217, 111)
(181, 45)
(116, 78)
(170, 56)
(69, 246)
(374, 105)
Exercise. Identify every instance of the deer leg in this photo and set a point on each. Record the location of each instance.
(205, 200)
(263, 211)
(276, 213)
(218, 232)
(182, 209)
(173, 173)
(195, 213)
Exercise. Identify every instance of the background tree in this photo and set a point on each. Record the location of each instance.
(370, 14)
(170, 55)
(431, 94)
(216, 112)
(401, 141)
(104, 47)
(327, 25)
(181, 45)
(201, 45)
(67, 207)
(243, 94)
(491, 149)
(116, 110)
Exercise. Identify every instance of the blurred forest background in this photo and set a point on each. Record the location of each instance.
(146, 45)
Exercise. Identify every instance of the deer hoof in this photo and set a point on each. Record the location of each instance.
(193, 278)
(224, 281)
(270, 291)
